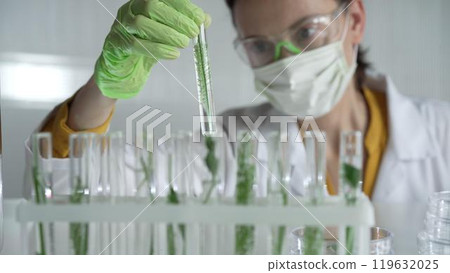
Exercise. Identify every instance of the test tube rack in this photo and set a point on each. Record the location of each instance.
(333, 212)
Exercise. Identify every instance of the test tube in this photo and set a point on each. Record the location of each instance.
(315, 185)
(246, 189)
(84, 182)
(41, 145)
(203, 73)
(351, 157)
(116, 166)
(84, 165)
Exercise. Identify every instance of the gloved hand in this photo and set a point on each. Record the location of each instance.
(145, 31)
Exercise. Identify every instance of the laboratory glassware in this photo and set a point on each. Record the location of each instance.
(84, 180)
(439, 204)
(144, 173)
(381, 241)
(315, 184)
(245, 194)
(437, 227)
(214, 160)
(351, 160)
(116, 166)
(278, 183)
(350, 176)
(280, 168)
(315, 187)
(435, 239)
(179, 186)
(313, 241)
(42, 174)
(428, 245)
(204, 85)
(111, 187)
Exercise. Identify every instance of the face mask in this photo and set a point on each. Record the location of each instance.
(310, 84)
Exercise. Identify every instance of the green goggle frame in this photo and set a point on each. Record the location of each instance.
(289, 46)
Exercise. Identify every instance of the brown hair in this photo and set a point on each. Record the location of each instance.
(363, 64)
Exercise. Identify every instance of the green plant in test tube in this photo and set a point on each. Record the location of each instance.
(41, 145)
(203, 74)
(174, 154)
(84, 165)
(212, 163)
(315, 189)
(244, 237)
(351, 158)
(278, 181)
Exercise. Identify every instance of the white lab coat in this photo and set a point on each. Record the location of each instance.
(415, 164)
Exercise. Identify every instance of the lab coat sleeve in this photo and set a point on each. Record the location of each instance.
(437, 115)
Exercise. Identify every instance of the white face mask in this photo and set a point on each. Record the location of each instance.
(310, 84)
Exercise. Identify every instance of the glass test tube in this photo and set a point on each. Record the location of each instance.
(279, 167)
(315, 185)
(84, 165)
(278, 183)
(246, 149)
(41, 145)
(351, 160)
(116, 165)
(84, 181)
(203, 74)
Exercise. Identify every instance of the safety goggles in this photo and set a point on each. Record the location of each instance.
(307, 34)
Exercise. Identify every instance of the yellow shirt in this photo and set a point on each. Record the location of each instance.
(375, 140)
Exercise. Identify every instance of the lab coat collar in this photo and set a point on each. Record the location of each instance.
(408, 135)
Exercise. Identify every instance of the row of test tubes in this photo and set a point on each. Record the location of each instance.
(98, 167)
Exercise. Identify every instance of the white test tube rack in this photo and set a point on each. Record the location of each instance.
(333, 212)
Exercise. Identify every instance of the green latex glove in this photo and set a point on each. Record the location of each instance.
(145, 31)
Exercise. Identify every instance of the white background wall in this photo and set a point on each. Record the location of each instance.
(48, 49)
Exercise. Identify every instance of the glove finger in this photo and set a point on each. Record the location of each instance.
(167, 15)
(208, 20)
(188, 9)
(154, 50)
(151, 30)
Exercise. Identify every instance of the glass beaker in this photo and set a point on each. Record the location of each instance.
(427, 245)
(313, 241)
(381, 241)
(439, 204)
(435, 239)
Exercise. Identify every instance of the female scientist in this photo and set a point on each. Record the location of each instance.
(305, 59)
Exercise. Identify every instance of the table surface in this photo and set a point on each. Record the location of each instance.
(404, 221)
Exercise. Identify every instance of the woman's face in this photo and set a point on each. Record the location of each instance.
(273, 17)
